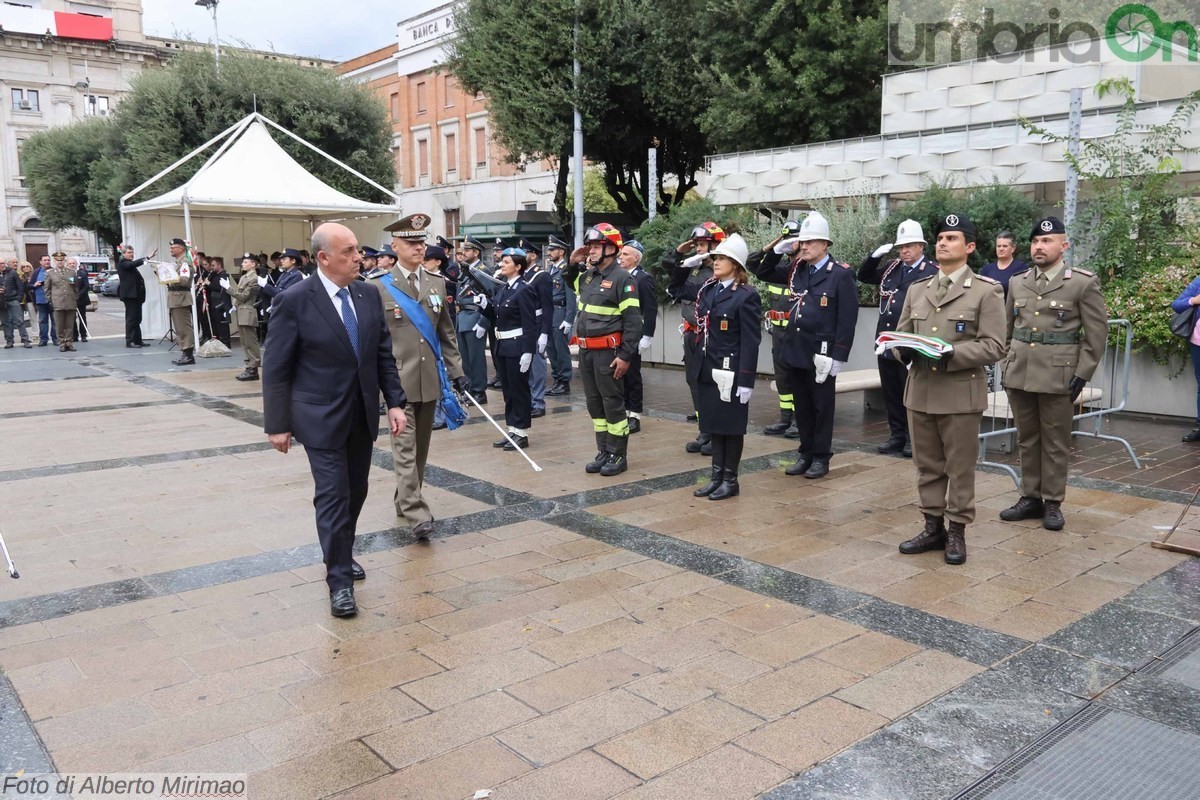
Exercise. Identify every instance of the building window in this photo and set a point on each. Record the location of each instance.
(395, 106)
(33, 224)
(421, 97)
(529, 206)
(451, 226)
(480, 148)
(423, 158)
(450, 145)
(96, 106)
(450, 89)
(26, 100)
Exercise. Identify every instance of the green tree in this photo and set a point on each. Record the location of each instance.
(792, 71)
(77, 174)
(596, 198)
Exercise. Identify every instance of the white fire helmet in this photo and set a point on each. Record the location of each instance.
(909, 232)
(814, 226)
(734, 246)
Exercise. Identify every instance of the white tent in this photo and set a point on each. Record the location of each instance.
(249, 196)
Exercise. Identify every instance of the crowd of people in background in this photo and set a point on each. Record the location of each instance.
(57, 294)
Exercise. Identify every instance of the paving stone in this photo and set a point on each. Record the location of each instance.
(780, 692)
(695, 680)
(340, 767)
(720, 775)
(582, 679)
(660, 745)
(812, 734)
(585, 776)
(450, 776)
(902, 687)
(784, 645)
(868, 653)
(486, 675)
(555, 736)
(350, 684)
(599, 638)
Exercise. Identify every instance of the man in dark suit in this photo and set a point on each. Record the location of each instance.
(329, 355)
(132, 291)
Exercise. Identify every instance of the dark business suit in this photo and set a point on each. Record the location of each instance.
(315, 388)
(132, 291)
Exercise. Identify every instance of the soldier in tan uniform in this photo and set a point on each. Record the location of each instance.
(417, 363)
(60, 291)
(1057, 324)
(179, 304)
(946, 398)
(245, 292)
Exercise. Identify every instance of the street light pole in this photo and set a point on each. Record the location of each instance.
(578, 143)
(211, 5)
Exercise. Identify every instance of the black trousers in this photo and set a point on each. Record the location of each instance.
(202, 319)
(633, 385)
(518, 396)
(814, 411)
(783, 377)
(340, 477)
(133, 320)
(692, 354)
(892, 377)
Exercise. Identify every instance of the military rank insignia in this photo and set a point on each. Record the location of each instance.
(960, 327)
(724, 324)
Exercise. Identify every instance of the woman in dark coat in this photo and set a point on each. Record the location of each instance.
(512, 311)
(729, 322)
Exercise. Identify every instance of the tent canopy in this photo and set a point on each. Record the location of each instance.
(254, 175)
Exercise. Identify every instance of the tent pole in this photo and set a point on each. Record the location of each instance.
(185, 159)
(321, 152)
(187, 232)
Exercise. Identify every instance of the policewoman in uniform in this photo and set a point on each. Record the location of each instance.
(780, 301)
(540, 282)
(607, 329)
(729, 321)
(821, 314)
(946, 398)
(1057, 325)
(893, 280)
(686, 274)
(245, 292)
(564, 317)
(513, 310)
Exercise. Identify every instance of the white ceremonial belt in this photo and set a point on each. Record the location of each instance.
(509, 334)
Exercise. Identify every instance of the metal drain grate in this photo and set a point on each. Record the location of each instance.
(1180, 664)
(1098, 754)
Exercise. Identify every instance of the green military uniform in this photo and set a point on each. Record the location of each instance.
(1057, 325)
(245, 292)
(608, 326)
(179, 304)
(60, 291)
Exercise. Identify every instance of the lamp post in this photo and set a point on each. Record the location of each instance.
(211, 5)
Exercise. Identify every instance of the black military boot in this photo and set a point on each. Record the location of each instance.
(698, 444)
(185, 359)
(779, 428)
(892, 445)
(956, 543)
(617, 446)
(597, 463)
(932, 538)
(718, 469)
(1052, 518)
(732, 459)
(1025, 508)
(248, 374)
(1194, 434)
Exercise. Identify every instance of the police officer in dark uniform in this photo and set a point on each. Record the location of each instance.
(893, 281)
(451, 272)
(820, 332)
(368, 261)
(513, 309)
(729, 317)
(564, 317)
(539, 280)
(498, 248)
(780, 303)
(289, 261)
(470, 322)
(686, 275)
(608, 328)
(630, 260)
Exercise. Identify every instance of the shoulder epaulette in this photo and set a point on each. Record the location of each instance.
(986, 279)
(1087, 272)
(923, 279)
(433, 274)
(844, 265)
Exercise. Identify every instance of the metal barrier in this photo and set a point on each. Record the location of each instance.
(1109, 384)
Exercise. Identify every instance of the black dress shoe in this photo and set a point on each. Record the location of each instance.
(131, 344)
(439, 426)
(357, 571)
(494, 383)
(1193, 435)
(635, 425)
(907, 451)
(778, 428)
(538, 412)
(697, 444)
(341, 603)
(819, 469)
(423, 529)
(522, 443)
(892, 445)
(800, 467)
(559, 389)
(792, 433)
(693, 417)
(480, 398)
(500, 443)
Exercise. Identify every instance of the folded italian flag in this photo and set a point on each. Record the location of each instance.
(928, 346)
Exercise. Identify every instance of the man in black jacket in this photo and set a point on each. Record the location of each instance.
(12, 293)
(132, 292)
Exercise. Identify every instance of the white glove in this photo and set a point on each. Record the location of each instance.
(224, 283)
(483, 302)
(787, 245)
(543, 340)
(565, 328)
(694, 261)
(743, 394)
(882, 250)
(644, 344)
(836, 368)
(480, 331)
(262, 281)
(526, 361)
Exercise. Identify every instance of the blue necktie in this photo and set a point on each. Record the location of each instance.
(348, 319)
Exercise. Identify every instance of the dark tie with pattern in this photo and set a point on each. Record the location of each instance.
(348, 319)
